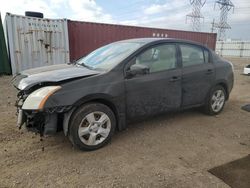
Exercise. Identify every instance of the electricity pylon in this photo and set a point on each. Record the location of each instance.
(196, 15)
(225, 6)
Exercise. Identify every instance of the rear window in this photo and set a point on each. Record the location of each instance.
(191, 55)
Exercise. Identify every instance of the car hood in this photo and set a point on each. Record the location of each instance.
(50, 74)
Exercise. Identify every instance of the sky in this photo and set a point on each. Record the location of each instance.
(169, 14)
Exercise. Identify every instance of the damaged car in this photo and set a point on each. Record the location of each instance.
(118, 83)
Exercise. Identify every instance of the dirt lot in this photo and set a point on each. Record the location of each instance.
(174, 150)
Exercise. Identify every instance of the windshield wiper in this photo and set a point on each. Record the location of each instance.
(72, 63)
(84, 65)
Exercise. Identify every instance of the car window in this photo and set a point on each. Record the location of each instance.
(216, 57)
(191, 55)
(206, 56)
(158, 58)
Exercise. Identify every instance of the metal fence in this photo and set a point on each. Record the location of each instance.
(233, 48)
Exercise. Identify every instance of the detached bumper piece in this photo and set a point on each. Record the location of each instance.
(35, 121)
(247, 70)
(20, 118)
(41, 122)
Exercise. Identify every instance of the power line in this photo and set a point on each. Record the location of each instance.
(243, 10)
(196, 13)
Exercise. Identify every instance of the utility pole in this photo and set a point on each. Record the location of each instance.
(196, 15)
(225, 6)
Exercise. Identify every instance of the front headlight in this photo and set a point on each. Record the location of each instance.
(37, 99)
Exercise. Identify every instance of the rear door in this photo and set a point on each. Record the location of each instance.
(160, 89)
(198, 74)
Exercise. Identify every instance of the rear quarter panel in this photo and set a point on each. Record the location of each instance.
(224, 73)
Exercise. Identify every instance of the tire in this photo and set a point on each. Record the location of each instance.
(215, 101)
(91, 126)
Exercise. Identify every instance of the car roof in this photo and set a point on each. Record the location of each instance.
(151, 40)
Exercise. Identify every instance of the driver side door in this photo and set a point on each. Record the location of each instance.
(158, 90)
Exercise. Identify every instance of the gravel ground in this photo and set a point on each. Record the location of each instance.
(174, 150)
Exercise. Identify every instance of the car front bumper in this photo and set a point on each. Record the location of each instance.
(43, 121)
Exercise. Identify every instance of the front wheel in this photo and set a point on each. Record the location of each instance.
(92, 126)
(216, 101)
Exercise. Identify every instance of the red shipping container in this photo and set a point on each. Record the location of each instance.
(85, 37)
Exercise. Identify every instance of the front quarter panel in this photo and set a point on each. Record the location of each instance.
(107, 86)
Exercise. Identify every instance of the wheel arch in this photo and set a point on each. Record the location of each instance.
(206, 106)
(99, 98)
(225, 86)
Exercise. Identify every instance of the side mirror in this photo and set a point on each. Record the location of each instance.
(137, 69)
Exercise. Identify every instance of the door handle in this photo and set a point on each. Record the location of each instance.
(209, 71)
(175, 78)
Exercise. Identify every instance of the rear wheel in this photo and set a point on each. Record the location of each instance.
(92, 126)
(216, 101)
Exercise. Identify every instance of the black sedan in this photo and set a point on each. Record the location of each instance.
(120, 82)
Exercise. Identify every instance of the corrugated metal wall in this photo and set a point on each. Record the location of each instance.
(35, 42)
(85, 37)
(233, 48)
(4, 61)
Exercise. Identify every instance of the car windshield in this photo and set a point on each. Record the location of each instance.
(109, 56)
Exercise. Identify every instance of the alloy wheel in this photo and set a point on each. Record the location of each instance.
(94, 128)
(218, 100)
